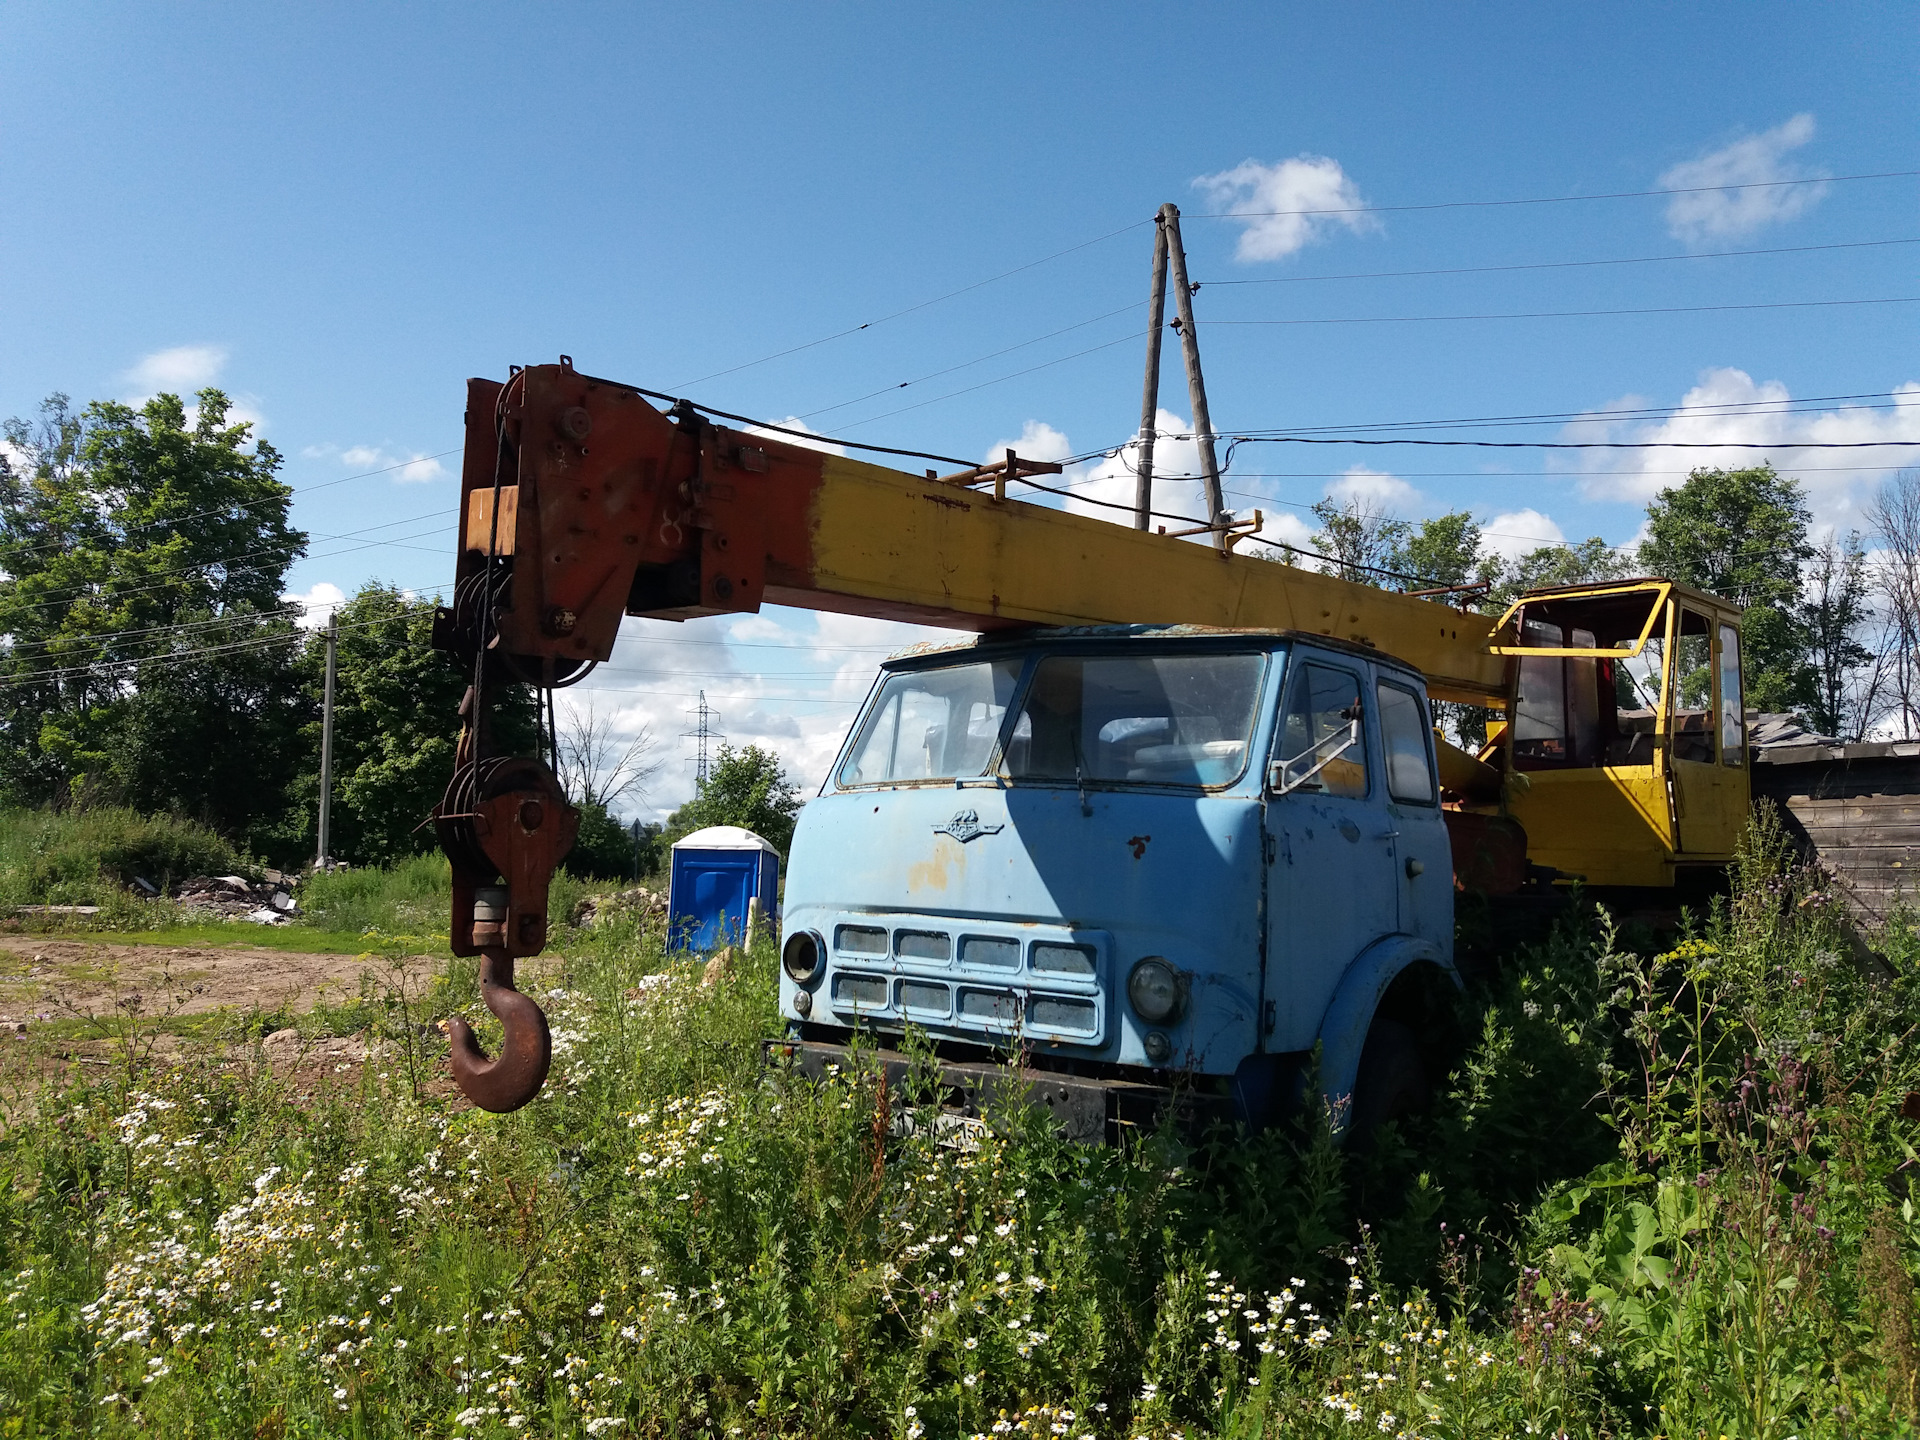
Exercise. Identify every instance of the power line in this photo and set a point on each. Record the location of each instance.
(293, 493)
(1558, 264)
(1554, 199)
(922, 305)
(851, 330)
(1721, 408)
(691, 694)
(86, 591)
(1234, 440)
(1000, 380)
(173, 657)
(968, 364)
(1577, 314)
(1494, 474)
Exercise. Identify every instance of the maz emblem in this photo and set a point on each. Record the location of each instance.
(965, 826)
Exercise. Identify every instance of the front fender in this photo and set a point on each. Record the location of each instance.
(1343, 1029)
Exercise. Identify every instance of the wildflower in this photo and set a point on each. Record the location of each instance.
(596, 1309)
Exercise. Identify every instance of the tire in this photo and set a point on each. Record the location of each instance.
(1392, 1082)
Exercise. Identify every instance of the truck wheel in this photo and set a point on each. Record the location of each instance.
(1392, 1083)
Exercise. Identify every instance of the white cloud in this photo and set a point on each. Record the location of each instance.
(1514, 533)
(1751, 160)
(419, 470)
(180, 370)
(1286, 528)
(1178, 495)
(1729, 405)
(1375, 488)
(1038, 441)
(805, 440)
(1275, 202)
(320, 602)
(407, 469)
(750, 666)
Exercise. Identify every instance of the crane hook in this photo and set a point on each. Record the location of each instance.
(515, 1076)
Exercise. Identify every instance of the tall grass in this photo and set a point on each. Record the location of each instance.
(409, 898)
(94, 856)
(1662, 1195)
(91, 856)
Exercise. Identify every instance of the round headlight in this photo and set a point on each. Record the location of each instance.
(1157, 1046)
(801, 956)
(1155, 991)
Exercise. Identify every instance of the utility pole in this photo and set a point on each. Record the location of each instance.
(326, 743)
(1150, 401)
(1196, 382)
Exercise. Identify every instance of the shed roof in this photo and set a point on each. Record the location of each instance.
(724, 837)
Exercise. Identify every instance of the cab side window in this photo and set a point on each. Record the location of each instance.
(1323, 705)
(1403, 730)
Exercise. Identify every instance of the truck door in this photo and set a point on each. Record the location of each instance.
(1424, 858)
(1706, 736)
(1332, 883)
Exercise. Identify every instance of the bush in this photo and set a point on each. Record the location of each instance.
(603, 850)
(410, 897)
(84, 857)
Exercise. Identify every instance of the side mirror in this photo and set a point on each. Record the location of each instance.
(1286, 776)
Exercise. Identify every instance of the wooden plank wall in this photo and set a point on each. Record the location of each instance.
(1856, 808)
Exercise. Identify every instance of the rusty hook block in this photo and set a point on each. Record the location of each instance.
(505, 824)
(515, 1076)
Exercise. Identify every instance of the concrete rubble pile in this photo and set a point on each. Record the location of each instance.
(649, 905)
(234, 897)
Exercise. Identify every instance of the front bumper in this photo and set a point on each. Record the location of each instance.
(1094, 1111)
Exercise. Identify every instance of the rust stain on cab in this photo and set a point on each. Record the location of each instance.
(949, 858)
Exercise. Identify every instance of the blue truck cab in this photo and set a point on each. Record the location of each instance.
(1154, 863)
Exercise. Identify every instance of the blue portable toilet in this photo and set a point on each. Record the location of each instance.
(716, 872)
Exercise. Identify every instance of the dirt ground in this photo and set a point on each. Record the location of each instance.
(43, 978)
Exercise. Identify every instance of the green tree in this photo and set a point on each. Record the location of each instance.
(748, 788)
(147, 655)
(1835, 609)
(1443, 550)
(1357, 539)
(604, 849)
(396, 725)
(1742, 534)
(1589, 561)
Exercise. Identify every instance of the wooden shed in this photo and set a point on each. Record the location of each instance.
(1856, 808)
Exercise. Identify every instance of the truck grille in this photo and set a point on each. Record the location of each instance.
(1046, 982)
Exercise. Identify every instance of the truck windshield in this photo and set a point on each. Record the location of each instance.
(932, 724)
(1137, 719)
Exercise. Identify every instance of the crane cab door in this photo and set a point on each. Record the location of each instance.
(1706, 735)
(1332, 882)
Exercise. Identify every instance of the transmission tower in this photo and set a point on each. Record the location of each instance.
(706, 721)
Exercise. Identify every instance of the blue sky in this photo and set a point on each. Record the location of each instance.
(339, 213)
